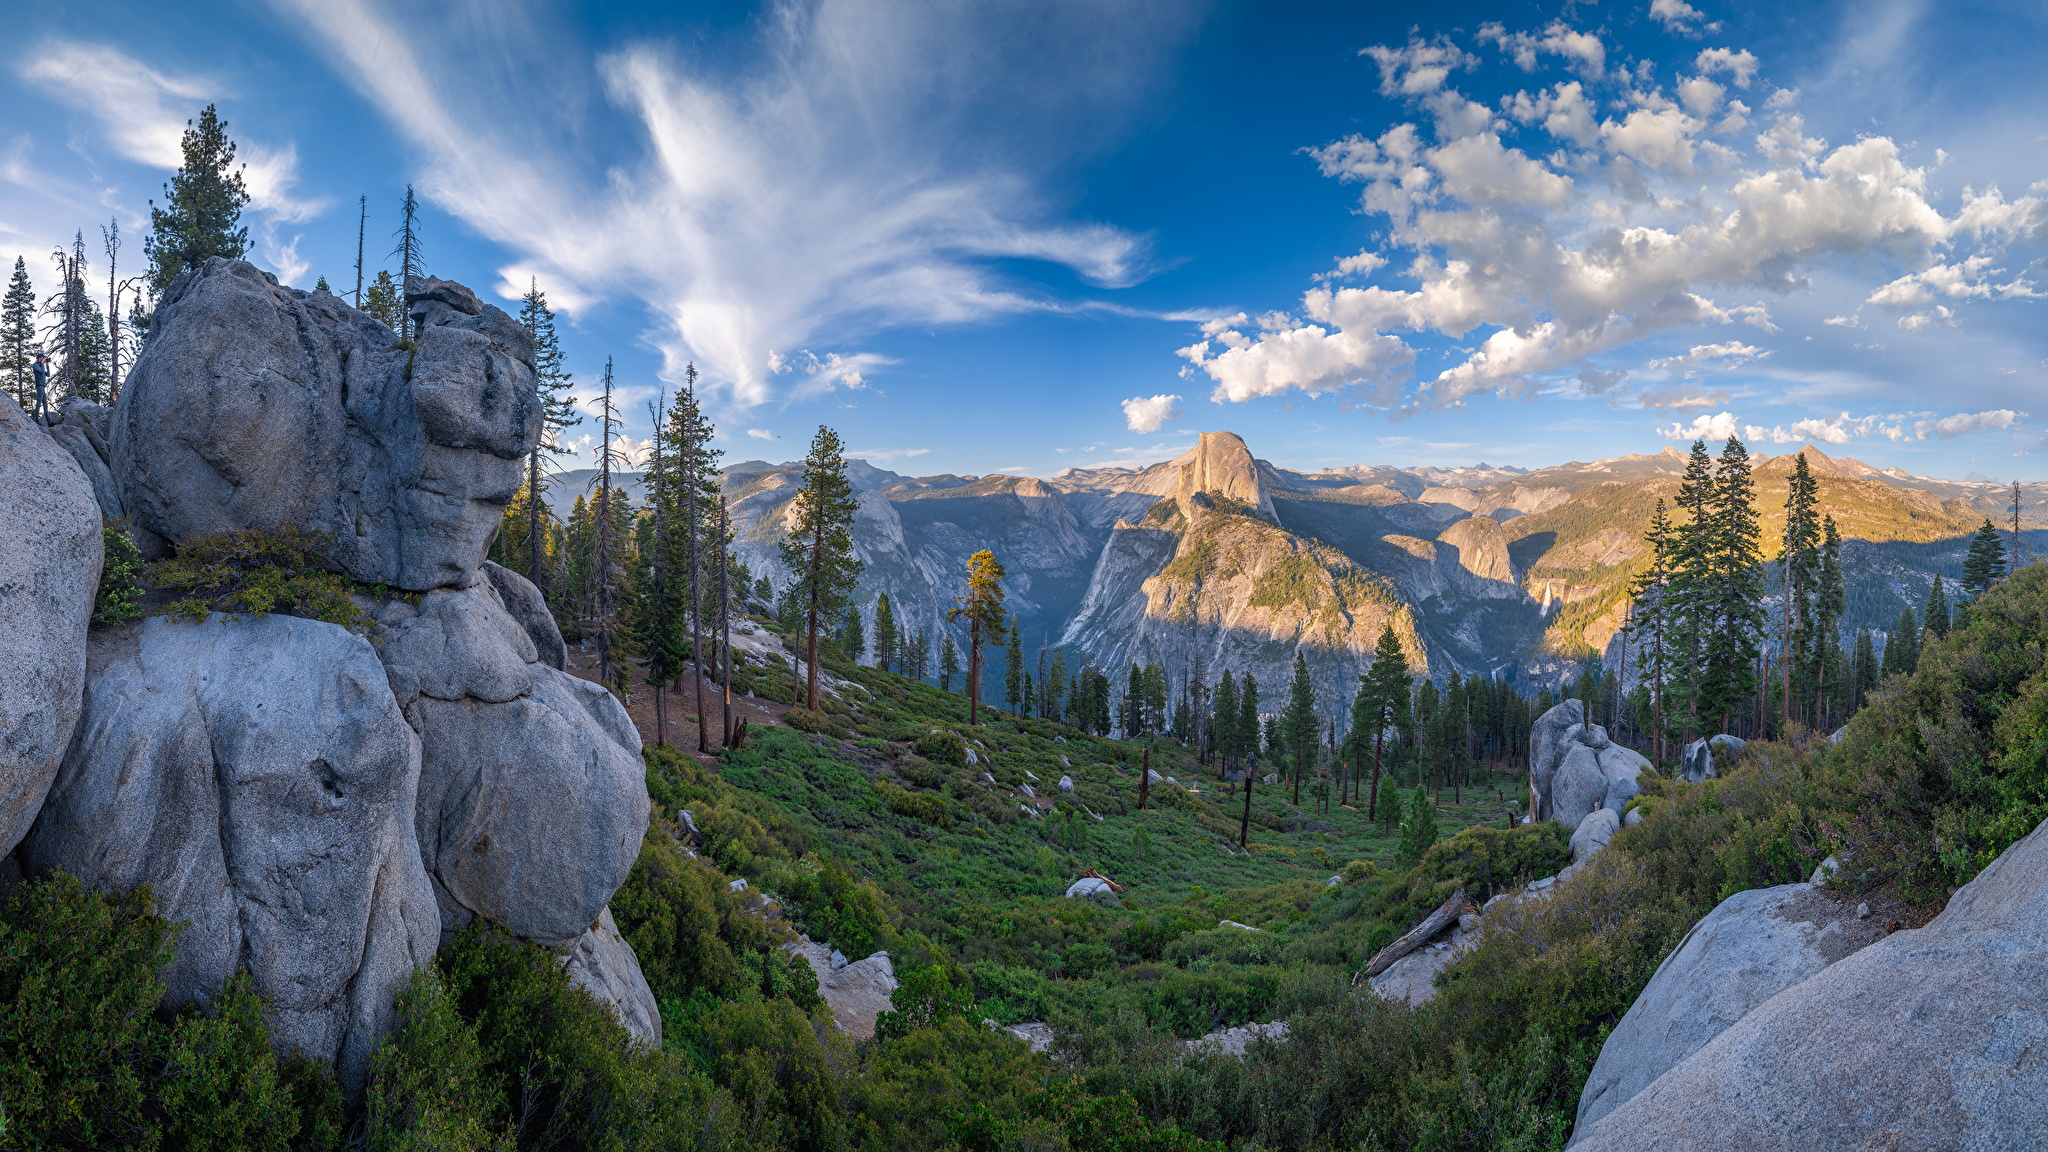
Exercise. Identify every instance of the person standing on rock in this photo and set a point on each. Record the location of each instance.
(42, 370)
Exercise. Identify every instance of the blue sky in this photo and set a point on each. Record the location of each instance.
(1068, 233)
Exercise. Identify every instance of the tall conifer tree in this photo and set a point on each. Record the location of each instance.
(1799, 574)
(1986, 561)
(203, 202)
(818, 552)
(982, 608)
(18, 342)
(887, 643)
(557, 411)
(1298, 724)
(949, 660)
(1935, 612)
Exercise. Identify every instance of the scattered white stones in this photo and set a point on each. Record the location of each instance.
(1066, 783)
(1089, 886)
(1234, 1041)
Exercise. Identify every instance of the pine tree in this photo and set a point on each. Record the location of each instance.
(1248, 724)
(697, 546)
(949, 661)
(1382, 702)
(1055, 685)
(1418, 832)
(1935, 612)
(202, 212)
(383, 303)
(853, 635)
(1650, 615)
(1902, 647)
(887, 643)
(655, 621)
(1298, 723)
(1015, 690)
(557, 410)
(18, 343)
(408, 253)
(1246, 736)
(1223, 723)
(1735, 592)
(1689, 595)
(819, 549)
(1799, 575)
(1865, 671)
(1830, 598)
(915, 656)
(1986, 561)
(982, 608)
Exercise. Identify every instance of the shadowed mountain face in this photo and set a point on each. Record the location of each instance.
(1218, 559)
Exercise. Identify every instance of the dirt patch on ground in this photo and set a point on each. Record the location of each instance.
(682, 705)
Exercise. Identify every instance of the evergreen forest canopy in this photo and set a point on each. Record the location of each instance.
(907, 802)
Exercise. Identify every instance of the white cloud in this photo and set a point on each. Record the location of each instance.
(1719, 426)
(1949, 427)
(827, 373)
(1681, 399)
(1363, 264)
(1596, 227)
(1679, 17)
(1731, 353)
(1740, 66)
(886, 453)
(1583, 51)
(848, 175)
(760, 434)
(1148, 413)
(143, 113)
(1420, 68)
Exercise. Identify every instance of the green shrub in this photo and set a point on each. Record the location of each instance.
(119, 598)
(557, 1068)
(87, 1060)
(259, 570)
(931, 810)
(925, 996)
(943, 745)
(919, 771)
(805, 720)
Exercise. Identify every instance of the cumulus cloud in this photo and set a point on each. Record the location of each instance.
(1719, 426)
(1582, 50)
(760, 434)
(1949, 427)
(1149, 413)
(1605, 220)
(1679, 17)
(864, 164)
(1740, 66)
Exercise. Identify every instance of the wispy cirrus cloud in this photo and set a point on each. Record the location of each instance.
(869, 163)
(143, 113)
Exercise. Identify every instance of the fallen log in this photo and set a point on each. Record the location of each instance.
(1445, 915)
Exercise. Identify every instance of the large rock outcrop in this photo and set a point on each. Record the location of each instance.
(1481, 552)
(604, 964)
(258, 774)
(255, 405)
(1932, 1038)
(1220, 464)
(1575, 770)
(49, 573)
(530, 609)
(533, 797)
(316, 809)
(1751, 947)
